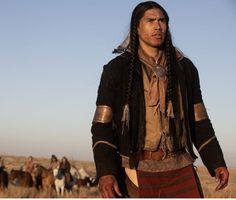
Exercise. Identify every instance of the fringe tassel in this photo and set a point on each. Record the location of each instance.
(170, 111)
(163, 145)
(125, 118)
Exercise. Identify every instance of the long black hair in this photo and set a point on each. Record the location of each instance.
(168, 47)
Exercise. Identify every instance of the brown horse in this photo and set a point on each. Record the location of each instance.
(21, 178)
(44, 178)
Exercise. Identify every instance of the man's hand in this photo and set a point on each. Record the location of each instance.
(108, 186)
(222, 176)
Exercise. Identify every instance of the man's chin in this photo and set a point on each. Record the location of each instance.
(159, 46)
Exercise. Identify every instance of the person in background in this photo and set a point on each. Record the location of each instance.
(54, 162)
(29, 165)
(149, 114)
(65, 165)
(2, 165)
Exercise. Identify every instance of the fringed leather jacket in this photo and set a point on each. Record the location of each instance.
(109, 142)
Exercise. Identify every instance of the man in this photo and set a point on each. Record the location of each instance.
(29, 164)
(65, 165)
(2, 165)
(54, 163)
(149, 114)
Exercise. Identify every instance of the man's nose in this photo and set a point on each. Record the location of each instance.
(157, 25)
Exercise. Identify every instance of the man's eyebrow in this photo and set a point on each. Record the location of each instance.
(155, 18)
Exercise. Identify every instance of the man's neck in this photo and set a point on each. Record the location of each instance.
(152, 52)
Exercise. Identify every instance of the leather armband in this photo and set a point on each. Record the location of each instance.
(104, 142)
(206, 143)
(103, 114)
(200, 112)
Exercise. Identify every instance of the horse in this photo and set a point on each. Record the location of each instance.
(3, 179)
(74, 171)
(44, 178)
(85, 180)
(74, 187)
(21, 178)
(59, 181)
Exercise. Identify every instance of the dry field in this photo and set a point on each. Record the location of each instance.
(15, 162)
(208, 184)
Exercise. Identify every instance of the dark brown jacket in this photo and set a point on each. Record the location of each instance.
(112, 93)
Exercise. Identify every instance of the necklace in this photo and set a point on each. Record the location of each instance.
(159, 70)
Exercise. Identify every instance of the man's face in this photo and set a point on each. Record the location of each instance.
(152, 28)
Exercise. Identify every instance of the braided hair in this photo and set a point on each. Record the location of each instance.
(171, 73)
(137, 14)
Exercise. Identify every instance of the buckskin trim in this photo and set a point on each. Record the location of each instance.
(205, 143)
(104, 142)
(103, 114)
(200, 112)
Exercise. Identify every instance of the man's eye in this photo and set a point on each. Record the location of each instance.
(151, 20)
(162, 20)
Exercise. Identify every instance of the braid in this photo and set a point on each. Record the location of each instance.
(134, 50)
(170, 56)
(137, 14)
(172, 86)
(172, 92)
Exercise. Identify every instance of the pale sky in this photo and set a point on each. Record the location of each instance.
(51, 58)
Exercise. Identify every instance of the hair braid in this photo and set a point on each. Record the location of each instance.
(134, 50)
(137, 14)
(170, 61)
(172, 92)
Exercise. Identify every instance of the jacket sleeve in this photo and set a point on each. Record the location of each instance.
(103, 137)
(205, 139)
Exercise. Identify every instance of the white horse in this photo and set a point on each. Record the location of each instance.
(59, 181)
(83, 174)
(84, 179)
(74, 173)
(80, 178)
